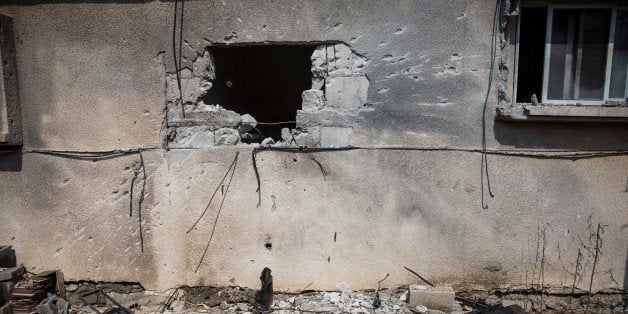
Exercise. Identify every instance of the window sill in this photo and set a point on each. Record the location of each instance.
(567, 113)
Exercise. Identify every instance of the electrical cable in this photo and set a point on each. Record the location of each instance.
(139, 207)
(90, 155)
(542, 154)
(218, 212)
(214, 194)
(484, 160)
(177, 62)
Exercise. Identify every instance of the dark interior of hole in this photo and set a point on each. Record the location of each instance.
(265, 81)
(531, 53)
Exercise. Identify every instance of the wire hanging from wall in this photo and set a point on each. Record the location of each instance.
(177, 59)
(232, 168)
(484, 160)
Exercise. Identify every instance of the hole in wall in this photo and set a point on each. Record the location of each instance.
(268, 246)
(265, 81)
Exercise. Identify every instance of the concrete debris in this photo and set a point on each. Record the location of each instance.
(268, 142)
(192, 137)
(438, 298)
(304, 140)
(227, 136)
(213, 116)
(247, 123)
(53, 305)
(286, 135)
(13, 274)
(116, 307)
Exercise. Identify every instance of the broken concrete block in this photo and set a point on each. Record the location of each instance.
(202, 114)
(305, 140)
(7, 256)
(268, 141)
(192, 137)
(346, 92)
(435, 298)
(247, 123)
(335, 136)
(53, 305)
(227, 137)
(13, 274)
(313, 99)
(286, 136)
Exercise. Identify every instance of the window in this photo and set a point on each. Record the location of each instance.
(572, 54)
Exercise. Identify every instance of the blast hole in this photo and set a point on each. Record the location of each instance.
(265, 81)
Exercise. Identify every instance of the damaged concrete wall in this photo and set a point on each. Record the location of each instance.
(339, 88)
(100, 76)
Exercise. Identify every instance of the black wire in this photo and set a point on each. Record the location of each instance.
(484, 160)
(177, 62)
(541, 154)
(136, 172)
(218, 213)
(214, 194)
(90, 155)
(139, 207)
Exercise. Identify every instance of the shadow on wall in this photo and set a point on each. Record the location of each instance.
(11, 160)
(562, 135)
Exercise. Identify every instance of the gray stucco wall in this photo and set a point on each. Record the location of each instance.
(89, 76)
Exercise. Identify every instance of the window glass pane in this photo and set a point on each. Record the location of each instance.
(578, 54)
(619, 84)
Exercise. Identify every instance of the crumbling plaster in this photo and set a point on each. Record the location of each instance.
(91, 79)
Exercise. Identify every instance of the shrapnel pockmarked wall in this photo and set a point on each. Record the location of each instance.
(100, 76)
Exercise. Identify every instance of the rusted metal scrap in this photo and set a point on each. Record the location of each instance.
(112, 310)
(264, 297)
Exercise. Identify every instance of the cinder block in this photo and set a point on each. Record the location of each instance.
(13, 274)
(434, 298)
(7, 256)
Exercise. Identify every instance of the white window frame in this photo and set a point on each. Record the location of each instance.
(548, 46)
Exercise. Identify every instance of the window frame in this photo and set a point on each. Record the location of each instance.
(548, 36)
